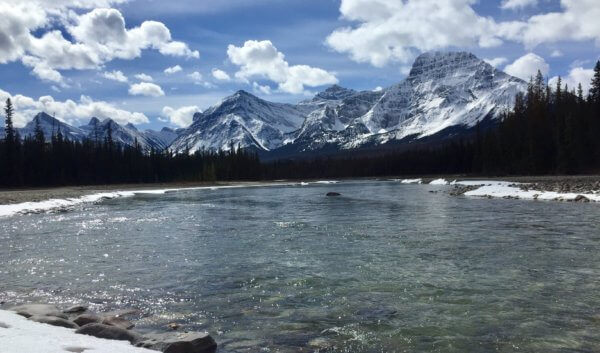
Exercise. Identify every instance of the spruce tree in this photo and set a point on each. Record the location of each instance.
(38, 132)
(595, 88)
(9, 130)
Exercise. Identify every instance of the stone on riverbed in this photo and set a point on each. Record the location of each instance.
(29, 310)
(85, 319)
(76, 309)
(54, 321)
(118, 322)
(109, 332)
(192, 342)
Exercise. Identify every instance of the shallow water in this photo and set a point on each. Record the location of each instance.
(386, 267)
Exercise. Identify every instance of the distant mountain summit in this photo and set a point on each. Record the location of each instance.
(51, 126)
(241, 119)
(443, 90)
(445, 93)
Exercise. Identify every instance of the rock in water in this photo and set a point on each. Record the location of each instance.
(85, 319)
(118, 322)
(581, 198)
(108, 332)
(192, 342)
(331, 194)
(29, 310)
(54, 321)
(76, 309)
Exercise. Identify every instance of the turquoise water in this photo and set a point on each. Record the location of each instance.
(383, 268)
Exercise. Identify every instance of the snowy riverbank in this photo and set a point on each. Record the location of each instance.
(19, 335)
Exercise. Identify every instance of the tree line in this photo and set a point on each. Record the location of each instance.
(32, 161)
(551, 130)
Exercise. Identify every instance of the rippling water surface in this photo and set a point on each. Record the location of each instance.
(383, 268)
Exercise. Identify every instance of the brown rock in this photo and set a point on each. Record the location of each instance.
(85, 319)
(108, 332)
(54, 321)
(118, 322)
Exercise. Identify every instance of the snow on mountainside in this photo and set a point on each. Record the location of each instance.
(51, 126)
(242, 120)
(128, 135)
(97, 130)
(443, 90)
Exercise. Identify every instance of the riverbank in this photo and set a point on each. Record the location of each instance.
(44, 328)
(589, 184)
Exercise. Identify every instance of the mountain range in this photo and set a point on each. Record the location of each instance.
(444, 91)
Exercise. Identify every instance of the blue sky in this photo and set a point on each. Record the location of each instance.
(281, 50)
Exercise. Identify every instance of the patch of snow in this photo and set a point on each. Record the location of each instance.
(326, 182)
(439, 182)
(505, 190)
(18, 335)
(59, 204)
(412, 181)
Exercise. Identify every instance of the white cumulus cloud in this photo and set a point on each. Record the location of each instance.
(69, 111)
(262, 59)
(496, 62)
(517, 4)
(95, 37)
(576, 76)
(146, 89)
(527, 66)
(384, 31)
(115, 75)
(182, 117)
(173, 69)
(144, 77)
(396, 30)
(220, 75)
(258, 88)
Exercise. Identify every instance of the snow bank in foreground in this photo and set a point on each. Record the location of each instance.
(503, 189)
(19, 335)
(54, 204)
(439, 182)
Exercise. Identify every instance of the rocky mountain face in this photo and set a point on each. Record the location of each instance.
(240, 120)
(97, 130)
(129, 135)
(443, 90)
(52, 126)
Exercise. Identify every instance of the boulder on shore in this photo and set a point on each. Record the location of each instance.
(76, 309)
(192, 342)
(54, 321)
(118, 322)
(85, 319)
(108, 332)
(29, 310)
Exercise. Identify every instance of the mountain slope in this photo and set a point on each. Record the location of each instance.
(51, 126)
(242, 120)
(443, 90)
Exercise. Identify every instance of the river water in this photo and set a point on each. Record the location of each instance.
(385, 267)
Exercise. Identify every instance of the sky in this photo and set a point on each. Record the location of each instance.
(155, 63)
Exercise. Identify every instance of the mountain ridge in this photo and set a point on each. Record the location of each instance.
(444, 91)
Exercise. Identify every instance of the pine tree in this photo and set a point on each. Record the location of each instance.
(9, 130)
(38, 132)
(595, 88)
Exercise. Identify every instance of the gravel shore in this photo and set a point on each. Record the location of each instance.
(564, 184)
